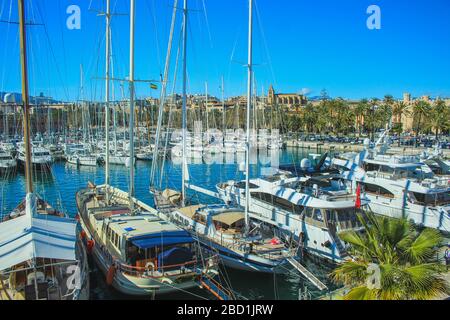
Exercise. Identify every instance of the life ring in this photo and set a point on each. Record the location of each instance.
(83, 234)
(166, 281)
(111, 274)
(90, 246)
(149, 265)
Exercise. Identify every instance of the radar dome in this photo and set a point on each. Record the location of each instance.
(305, 164)
(9, 98)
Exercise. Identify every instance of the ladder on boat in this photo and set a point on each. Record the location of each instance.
(307, 274)
(215, 288)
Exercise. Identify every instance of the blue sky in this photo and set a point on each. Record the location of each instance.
(298, 44)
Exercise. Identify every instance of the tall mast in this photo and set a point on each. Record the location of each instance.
(25, 98)
(184, 108)
(107, 93)
(163, 94)
(131, 83)
(206, 108)
(224, 114)
(249, 105)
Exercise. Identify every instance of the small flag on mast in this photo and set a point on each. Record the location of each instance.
(153, 86)
(358, 197)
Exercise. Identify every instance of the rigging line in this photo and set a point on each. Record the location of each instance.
(163, 93)
(64, 53)
(155, 26)
(3, 8)
(6, 47)
(169, 122)
(207, 24)
(266, 47)
(53, 54)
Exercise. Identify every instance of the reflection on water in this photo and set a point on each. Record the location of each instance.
(59, 185)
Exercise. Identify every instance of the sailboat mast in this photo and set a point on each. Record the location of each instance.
(223, 114)
(249, 105)
(206, 108)
(25, 98)
(107, 94)
(184, 107)
(131, 84)
(163, 94)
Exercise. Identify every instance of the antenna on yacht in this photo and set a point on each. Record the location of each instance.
(25, 98)
(184, 107)
(131, 84)
(249, 105)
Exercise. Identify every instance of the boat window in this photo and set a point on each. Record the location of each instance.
(371, 167)
(242, 185)
(309, 212)
(278, 202)
(347, 219)
(318, 215)
(432, 199)
(374, 189)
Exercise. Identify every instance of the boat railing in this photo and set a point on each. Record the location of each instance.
(152, 271)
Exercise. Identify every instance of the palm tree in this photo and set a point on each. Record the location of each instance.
(371, 117)
(398, 110)
(360, 111)
(420, 110)
(439, 117)
(404, 261)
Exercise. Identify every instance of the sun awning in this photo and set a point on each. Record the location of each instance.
(162, 239)
(33, 236)
(229, 218)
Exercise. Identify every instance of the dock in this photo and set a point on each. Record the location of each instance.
(307, 274)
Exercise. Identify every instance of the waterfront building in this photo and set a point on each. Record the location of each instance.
(293, 101)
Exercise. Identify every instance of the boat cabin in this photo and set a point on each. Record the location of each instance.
(145, 241)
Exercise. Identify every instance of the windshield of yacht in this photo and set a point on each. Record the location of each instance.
(41, 154)
(345, 219)
(432, 199)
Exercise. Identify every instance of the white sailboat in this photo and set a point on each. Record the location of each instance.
(42, 257)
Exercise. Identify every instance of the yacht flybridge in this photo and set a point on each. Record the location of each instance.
(399, 186)
(310, 209)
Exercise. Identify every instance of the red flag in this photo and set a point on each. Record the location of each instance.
(358, 197)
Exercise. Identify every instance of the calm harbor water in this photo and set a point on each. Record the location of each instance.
(59, 185)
